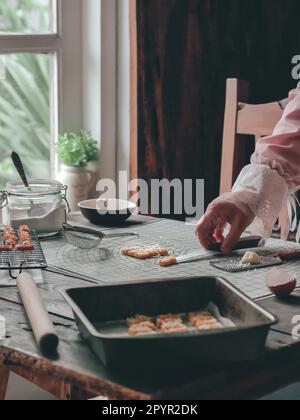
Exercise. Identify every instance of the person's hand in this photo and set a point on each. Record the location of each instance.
(210, 229)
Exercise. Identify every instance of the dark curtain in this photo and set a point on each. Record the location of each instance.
(186, 50)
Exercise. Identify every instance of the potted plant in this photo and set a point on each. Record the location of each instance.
(75, 151)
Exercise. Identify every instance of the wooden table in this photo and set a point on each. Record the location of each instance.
(75, 373)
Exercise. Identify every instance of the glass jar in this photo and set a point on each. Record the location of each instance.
(43, 206)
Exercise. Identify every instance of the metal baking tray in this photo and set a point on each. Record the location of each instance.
(94, 307)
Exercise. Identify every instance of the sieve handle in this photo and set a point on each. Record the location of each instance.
(101, 235)
(69, 228)
(42, 326)
(120, 235)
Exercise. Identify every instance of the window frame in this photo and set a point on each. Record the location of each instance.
(18, 43)
(72, 97)
(106, 110)
(42, 43)
(52, 43)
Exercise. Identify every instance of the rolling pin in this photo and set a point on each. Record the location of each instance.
(42, 326)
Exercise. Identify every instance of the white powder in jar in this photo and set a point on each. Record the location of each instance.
(50, 221)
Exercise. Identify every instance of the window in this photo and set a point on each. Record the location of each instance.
(52, 79)
(24, 113)
(23, 16)
(29, 50)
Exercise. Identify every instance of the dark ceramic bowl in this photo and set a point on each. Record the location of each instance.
(109, 212)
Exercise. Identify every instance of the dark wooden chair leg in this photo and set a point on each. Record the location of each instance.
(4, 376)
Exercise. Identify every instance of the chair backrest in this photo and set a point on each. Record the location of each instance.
(243, 119)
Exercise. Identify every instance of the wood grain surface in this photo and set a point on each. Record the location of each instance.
(75, 372)
(4, 376)
(77, 366)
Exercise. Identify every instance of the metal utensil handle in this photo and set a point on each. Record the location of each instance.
(3, 199)
(20, 168)
(248, 242)
(244, 243)
(93, 232)
(64, 191)
(289, 255)
(119, 235)
(37, 314)
(80, 229)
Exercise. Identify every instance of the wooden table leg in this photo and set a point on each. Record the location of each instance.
(4, 376)
(59, 389)
(80, 394)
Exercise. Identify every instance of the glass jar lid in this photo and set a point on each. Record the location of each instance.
(37, 188)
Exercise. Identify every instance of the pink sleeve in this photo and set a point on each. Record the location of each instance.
(281, 151)
(264, 186)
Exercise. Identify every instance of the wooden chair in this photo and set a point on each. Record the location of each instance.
(243, 120)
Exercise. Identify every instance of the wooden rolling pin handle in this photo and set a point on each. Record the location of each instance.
(42, 326)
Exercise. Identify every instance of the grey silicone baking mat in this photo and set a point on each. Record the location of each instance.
(106, 264)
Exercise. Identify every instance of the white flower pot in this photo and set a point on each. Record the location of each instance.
(79, 181)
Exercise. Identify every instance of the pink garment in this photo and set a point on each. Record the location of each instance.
(281, 151)
(274, 173)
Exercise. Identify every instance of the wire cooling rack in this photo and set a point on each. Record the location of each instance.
(19, 260)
